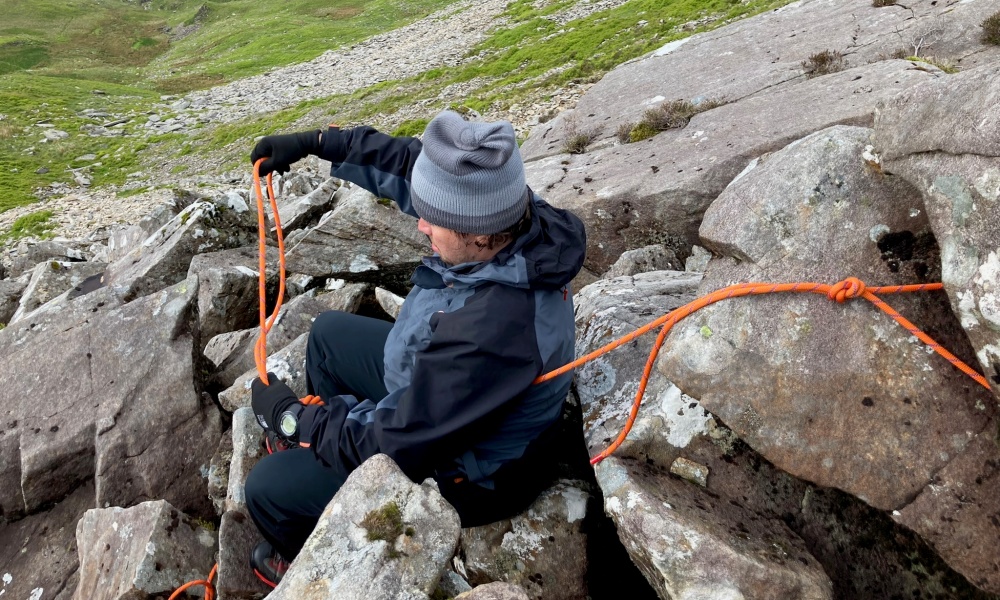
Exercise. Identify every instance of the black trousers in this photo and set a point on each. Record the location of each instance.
(287, 491)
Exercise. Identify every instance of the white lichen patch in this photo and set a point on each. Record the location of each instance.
(876, 232)
(36, 594)
(362, 263)
(967, 310)
(633, 499)
(576, 503)
(685, 418)
(988, 279)
(988, 185)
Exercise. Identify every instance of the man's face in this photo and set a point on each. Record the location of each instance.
(452, 247)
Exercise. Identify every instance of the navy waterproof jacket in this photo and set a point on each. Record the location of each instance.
(468, 342)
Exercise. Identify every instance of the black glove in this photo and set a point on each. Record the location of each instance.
(282, 150)
(269, 401)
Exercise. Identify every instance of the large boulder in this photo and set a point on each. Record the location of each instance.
(944, 137)
(123, 397)
(607, 310)
(684, 170)
(151, 548)
(764, 54)
(839, 395)
(381, 537)
(863, 552)
(228, 288)
(362, 239)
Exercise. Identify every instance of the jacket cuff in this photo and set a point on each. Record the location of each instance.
(306, 420)
(334, 147)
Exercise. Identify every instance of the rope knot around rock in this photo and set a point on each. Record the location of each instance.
(852, 287)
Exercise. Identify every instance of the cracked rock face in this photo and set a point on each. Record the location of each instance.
(115, 404)
(944, 138)
(839, 395)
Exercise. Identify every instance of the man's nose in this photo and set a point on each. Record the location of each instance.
(423, 227)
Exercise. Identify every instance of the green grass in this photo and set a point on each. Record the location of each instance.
(56, 54)
(36, 224)
(29, 99)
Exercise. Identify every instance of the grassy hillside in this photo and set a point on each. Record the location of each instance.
(61, 58)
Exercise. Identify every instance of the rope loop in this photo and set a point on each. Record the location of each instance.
(850, 288)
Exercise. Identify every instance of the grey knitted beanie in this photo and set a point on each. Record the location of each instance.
(469, 177)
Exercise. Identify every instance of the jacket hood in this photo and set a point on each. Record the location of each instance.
(548, 256)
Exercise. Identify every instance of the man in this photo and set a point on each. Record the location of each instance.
(447, 390)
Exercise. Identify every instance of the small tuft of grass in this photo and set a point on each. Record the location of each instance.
(385, 524)
(991, 29)
(672, 114)
(624, 132)
(945, 65)
(36, 224)
(823, 63)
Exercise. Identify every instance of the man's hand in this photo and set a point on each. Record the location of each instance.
(269, 401)
(282, 150)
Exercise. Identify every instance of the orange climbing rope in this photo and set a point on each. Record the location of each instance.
(850, 288)
(847, 289)
(207, 582)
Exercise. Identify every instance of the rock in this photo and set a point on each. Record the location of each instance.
(294, 319)
(684, 170)
(690, 544)
(120, 401)
(164, 257)
(228, 288)
(10, 297)
(642, 260)
(390, 303)
(222, 346)
(767, 51)
(151, 548)
(811, 371)
(494, 591)
(237, 538)
(543, 550)
(53, 135)
(39, 553)
(937, 138)
(607, 310)
(297, 212)
(248, 448)
(382, 536)
(218, 473)
(452, 584)
(690, 470)
(698, 261)
(288, 364)
(122, 239)
(49, 279)
(361, 240)
(30, 254)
